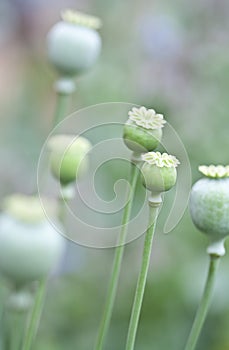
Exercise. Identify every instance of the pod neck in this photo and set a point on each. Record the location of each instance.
(155, 199)
(216, 248)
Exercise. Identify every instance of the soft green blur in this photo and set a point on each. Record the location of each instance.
(172, 56)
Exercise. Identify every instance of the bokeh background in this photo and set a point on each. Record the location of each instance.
(174, 57)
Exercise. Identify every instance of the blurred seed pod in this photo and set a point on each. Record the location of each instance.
(68, 159)
(29, 246)
(73, 44)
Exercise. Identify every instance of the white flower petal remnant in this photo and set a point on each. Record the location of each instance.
(147, 118)
(76, 17)
(161, 160)
(214, 171)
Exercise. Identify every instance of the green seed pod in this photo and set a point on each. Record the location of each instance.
(29, 246)
(69, 160)
(159, 171)
(74, 44)
(209, 205)
(143, 130)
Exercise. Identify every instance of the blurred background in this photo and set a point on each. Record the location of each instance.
(170, 56)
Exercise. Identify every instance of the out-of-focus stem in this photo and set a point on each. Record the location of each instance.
(204, 304)
(64, 88)
(35, 316)
(112, 288)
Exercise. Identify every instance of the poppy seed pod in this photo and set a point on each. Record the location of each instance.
(143, 130)
(159, 172)
(29, 246)
(69, 160)
(74, 44)
(209, 203)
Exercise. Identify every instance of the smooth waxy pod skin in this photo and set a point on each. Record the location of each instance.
(159, 172)
(73, 44)
(141, 140)
(29, 245)
(68, 159)
(143, 130)
(209, 202)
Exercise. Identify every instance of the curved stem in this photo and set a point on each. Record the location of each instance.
(112, 288)
(61, 107)
(35, 317)
(204, 304)
(139, 293)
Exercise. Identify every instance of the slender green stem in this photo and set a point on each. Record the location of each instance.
(35, 316)
(112, 288)
(139, 293)
(67, 193)
(15, 315)
(204, 304)
(3, 329)
(61, 107)
(61, 210)
(17, 321)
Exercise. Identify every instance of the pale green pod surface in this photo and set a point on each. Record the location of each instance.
(72, 48)
(158, 179)
(209, 206)
(159, 172)
(69, 168)
(143, 130)
(29, 245)
(139, 139)
(68, 159)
